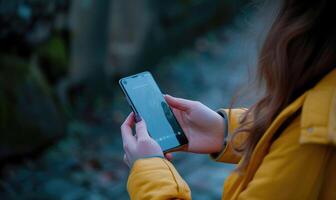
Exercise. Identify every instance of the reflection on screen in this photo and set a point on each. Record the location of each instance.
(150, 104)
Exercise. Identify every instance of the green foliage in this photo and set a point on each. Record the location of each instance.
(55, 51)
(53, 58)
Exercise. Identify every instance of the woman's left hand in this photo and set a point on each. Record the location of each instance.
(140, 145)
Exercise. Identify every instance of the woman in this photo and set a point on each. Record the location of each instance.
(284, 144)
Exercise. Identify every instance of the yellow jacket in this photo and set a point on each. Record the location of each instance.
(299, 164)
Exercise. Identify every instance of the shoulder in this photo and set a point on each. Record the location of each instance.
(287, 163)
(318, 120)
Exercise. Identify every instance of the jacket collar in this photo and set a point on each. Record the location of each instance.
(318, 119)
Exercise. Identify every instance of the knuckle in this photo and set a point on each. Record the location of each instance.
(143, 141)
(141, 129)
(125, 146)
(141, 125)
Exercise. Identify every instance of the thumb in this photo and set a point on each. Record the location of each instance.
(141, 128)
(179, 103)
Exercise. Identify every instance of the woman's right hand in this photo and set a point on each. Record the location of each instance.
(203, 127)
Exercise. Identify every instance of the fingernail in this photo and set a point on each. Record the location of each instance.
(137, 118)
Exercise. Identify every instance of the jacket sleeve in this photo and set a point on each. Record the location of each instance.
(156, 179)
(228, 155)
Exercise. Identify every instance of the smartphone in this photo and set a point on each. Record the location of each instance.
(145, 98)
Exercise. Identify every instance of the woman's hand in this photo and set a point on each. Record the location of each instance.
(203, 127)
(139, 146)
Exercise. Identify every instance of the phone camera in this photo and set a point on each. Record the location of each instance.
(124, 82)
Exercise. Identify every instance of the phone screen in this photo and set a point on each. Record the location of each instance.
(146, 99)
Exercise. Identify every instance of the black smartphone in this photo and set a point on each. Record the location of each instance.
(145, 98)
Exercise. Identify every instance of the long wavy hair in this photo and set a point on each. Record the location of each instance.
(299, 49)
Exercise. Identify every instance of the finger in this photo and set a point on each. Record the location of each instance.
(141, 129)
(178, 103)
(177, 114)
(169, 156)
(126, 130)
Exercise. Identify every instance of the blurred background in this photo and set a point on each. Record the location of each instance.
(61, 106)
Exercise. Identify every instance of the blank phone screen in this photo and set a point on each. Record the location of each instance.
(147, 99)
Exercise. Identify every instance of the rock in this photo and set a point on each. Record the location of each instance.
(30, 118)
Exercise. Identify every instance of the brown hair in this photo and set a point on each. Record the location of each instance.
(298, 51)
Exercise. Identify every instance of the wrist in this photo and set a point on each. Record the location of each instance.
(223, 133)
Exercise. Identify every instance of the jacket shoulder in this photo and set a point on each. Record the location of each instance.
(318, 122)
